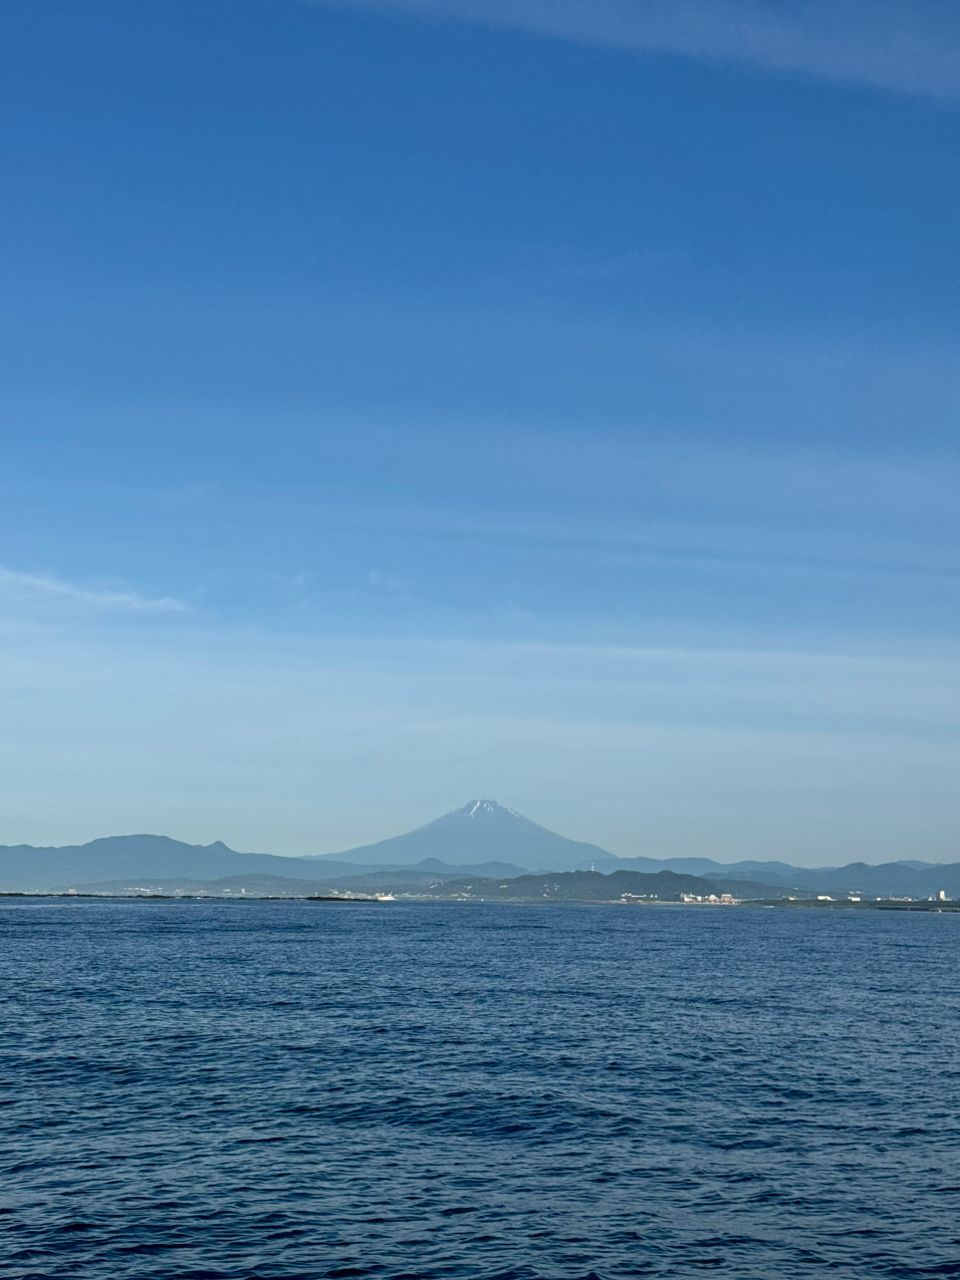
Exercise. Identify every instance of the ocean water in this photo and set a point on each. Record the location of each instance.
(229, 1091)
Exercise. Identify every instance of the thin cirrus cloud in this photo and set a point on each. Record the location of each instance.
(40, 589)
(907, 46)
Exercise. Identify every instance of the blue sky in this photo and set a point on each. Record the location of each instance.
(409, 401)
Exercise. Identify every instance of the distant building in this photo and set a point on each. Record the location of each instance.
(711, 899)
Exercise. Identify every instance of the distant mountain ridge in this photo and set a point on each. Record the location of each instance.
(595, 886)
(915, 879)
(383, 880)
(482, 839)
(24, 867)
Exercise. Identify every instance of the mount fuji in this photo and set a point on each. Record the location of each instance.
(482, 831)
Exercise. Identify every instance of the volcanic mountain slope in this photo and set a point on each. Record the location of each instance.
(482, 831)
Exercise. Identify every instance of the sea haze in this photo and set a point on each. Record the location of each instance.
(483, 840)
(293, 1090)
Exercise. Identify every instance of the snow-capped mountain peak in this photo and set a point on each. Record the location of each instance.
(482, 831)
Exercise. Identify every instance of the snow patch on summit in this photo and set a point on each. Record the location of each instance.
(482, 806)
(477, 807)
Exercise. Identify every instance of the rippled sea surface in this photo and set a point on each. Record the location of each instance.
(279, 1090)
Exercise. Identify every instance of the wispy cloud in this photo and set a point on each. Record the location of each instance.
(41, 587)
(908, 46)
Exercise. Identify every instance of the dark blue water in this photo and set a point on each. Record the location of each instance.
(245, 1090)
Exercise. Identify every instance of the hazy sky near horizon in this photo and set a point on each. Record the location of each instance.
(410, 400)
